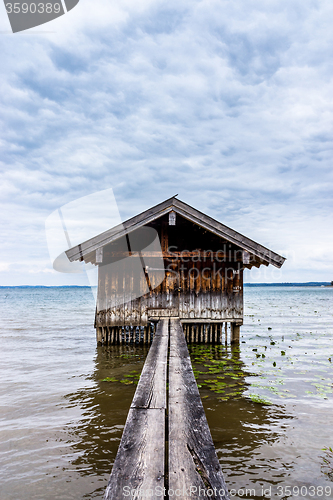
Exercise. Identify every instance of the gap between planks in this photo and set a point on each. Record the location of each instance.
(166, 443)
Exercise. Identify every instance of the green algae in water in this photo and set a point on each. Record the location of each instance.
(109, 379)
(255, 398)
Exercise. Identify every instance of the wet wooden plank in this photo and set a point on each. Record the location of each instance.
(151, 389)
(140, 461)
(139, 464)
(193, 463)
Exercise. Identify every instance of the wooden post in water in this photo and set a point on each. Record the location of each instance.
(99, 334)
(235, 332)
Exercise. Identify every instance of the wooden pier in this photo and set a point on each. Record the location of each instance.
(179, 268)
(166, 449)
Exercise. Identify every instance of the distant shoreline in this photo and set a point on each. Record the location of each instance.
(308, 284)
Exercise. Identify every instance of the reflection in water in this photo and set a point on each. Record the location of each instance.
(239, 426)
(55, 447)
(95, 437)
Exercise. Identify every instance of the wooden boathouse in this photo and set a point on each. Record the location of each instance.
(171, 261)
(168, 275)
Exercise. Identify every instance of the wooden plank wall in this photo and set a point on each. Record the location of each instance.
(166, 441)
(193, 290)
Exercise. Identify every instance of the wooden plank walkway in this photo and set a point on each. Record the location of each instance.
(166, 448)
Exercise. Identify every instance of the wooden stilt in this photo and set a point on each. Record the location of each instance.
(99, 334)
(235, 331)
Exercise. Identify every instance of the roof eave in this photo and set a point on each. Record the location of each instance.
(264, 254)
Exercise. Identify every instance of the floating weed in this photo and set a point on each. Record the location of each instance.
(109, 379)
(255, 398)
(126, 381)
(327, 462)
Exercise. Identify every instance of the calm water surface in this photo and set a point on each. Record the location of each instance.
(269, 403)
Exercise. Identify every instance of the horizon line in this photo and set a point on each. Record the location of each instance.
(280, 283)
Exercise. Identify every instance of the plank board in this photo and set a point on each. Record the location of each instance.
(140, 461)
(139, 464)
(151, 389)
(193, 463)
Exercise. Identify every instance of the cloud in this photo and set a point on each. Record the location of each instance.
(227, 103)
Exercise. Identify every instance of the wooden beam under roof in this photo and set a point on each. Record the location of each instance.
(265, 255)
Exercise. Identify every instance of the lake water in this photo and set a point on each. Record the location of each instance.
(269, 403)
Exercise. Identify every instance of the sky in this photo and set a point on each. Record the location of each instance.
(227, 103)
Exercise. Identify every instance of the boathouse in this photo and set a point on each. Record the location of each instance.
(170, 261)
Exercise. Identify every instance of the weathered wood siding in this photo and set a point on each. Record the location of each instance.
(197, 291)
(193, 274)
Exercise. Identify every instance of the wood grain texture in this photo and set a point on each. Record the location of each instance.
(139, 463)
(193, 463)
(151, 389)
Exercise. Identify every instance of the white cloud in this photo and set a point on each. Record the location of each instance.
(227, 103)
(4, 266)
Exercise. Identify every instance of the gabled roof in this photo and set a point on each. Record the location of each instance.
(265, 255)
